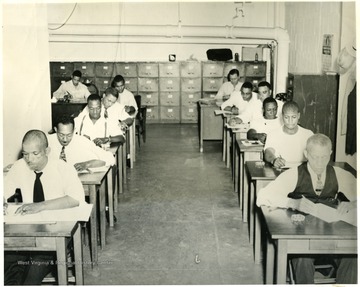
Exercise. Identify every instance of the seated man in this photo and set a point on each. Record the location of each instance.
(95, 126)
(260, 128)
(317, 181)
(72, 89)
(264, 92)
(125, 97)
(286, 146)
(75, 149)
(228, 87)
(244, 104)
(45, 184)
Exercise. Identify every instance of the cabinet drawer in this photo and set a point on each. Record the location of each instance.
(170, 99)
(215, 69)
(102, 84)
(126, 69)
(148, 84)
(103, 69)
(255, 69)
(235, 65)
(86, 68)
(131, 84)
(152, 114)
(170, 114)
(149, 99)
(169, 84)
(61, 69)
(189, 99)
(212, 84)
(189, 114)
(148, 69)
(191, 84)
(169, 70)
(57, 81)
(190, 69)
(255, 81)
(209, 95)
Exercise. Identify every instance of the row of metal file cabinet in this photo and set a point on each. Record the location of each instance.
(169, 89)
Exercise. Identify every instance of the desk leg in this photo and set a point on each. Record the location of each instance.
(124, 159)
(241, 182)
(110, 193)
(251, 216)
(78, 256)
(133, 133)
(201, 129)
(245, 192)
(228, 143)
(281, 261)
(270, 260)
(236, 169)
(224, 139)
(102, 205)
(61, 257)
(120, 170)
(93, 225)
(131, 148)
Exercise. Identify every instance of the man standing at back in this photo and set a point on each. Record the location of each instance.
(286, 146)
(126, 97)
(75, 149)
(74, 89)
(45, 184)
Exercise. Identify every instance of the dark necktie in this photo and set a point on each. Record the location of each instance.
(38, 189)
(319, 185)
(62, 154)
(106, 114)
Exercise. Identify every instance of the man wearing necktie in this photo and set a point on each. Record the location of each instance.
(45, 184)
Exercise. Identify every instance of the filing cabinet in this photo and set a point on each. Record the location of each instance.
(190, 99)
(169, 84)
(148, 84)
(170, 98)
(190, 69)
(191, 85)
(212, 84)
(255, 69)
(212, 79)
(189, 114)
(152, 114)
(61, 69)
(150, 98)
(86, 68)
(57, 81)
(169, 70)
(131, 84)
(104, 69)
(148, 70)
(126, 69)
(213, 69)
(240, 66)
(102, 84)
(169, 114)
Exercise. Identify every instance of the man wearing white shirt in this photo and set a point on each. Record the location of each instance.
(74, 89)
(75, 149)
(287, 145)
(269, 123)
(96, 127)
(244, 105)
(230, 86)
(126, 97)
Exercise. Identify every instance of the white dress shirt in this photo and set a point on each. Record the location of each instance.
(226, 89)
(78, 92)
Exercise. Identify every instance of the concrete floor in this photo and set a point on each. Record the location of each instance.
(178, 221)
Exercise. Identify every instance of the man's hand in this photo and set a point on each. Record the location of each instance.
(346, 206)
(100, 141)
(127, 109)
(234, 110)
(80, 166)
(304, 205)
(262, 137)
(123, 126)
(30, 208)
(279, 162)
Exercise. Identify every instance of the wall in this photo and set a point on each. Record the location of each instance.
(105, 49)
(306, 23)
(26, 82)
(348, 32)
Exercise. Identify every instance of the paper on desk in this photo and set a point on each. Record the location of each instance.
(79, 213)
(222, 112)
(330, 214)
(94, 169)
(251, 142)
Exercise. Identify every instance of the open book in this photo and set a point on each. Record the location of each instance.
(94, 169)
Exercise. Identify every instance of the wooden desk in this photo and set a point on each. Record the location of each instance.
(211, 126)
(244, 153)
(48, 237)
(131, 144)
(97, 181)
(314, 236)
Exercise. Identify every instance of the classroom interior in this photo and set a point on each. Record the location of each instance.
(178, 220)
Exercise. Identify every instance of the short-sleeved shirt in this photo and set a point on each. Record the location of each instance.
(78, 92)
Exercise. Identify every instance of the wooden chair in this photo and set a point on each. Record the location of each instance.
(140, 120)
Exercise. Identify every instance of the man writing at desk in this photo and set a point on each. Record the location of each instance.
(74, 89)
(45, 185)
(232, 85)
(75, 149)
(314, 181)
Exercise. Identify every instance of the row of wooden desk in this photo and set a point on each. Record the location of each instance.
(315, 236)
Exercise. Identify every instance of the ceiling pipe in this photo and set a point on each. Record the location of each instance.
(278, 39)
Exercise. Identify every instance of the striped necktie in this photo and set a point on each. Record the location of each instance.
(38, 194)
(62, 154)
(106, 114)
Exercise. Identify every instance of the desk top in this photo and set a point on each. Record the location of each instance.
(66, 229)
(279, 225)
(114, 147)
(253, 147)
(93, 178)
(260, 170)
